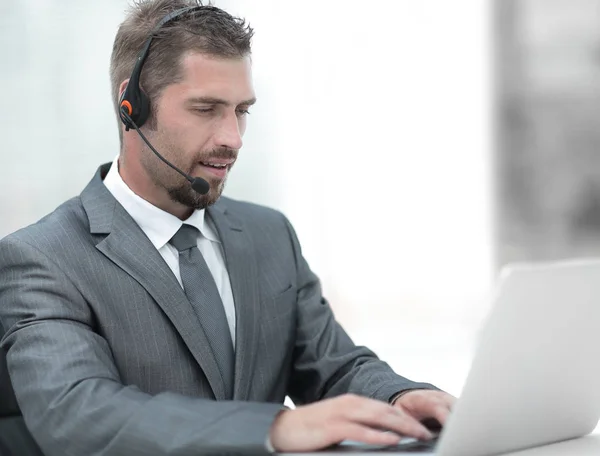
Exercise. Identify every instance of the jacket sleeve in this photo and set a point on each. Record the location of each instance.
(326, 361)
(69, 389)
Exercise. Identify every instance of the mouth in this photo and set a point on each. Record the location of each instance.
(216, 167)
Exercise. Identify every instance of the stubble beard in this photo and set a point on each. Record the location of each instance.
(177, 186)
(184, 193)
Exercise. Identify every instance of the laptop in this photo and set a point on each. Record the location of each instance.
(535, 377)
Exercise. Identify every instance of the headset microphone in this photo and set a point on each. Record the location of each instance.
(198, 184)
(135, 104)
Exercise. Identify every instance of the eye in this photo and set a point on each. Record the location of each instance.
(243, 112)
(203, 110)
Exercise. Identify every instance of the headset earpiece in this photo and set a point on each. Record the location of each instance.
(136, 105)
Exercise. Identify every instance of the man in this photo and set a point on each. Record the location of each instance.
(149, 317)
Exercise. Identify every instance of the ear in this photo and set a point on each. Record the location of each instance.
(122, 87)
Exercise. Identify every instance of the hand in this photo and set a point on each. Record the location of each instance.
(349, 417)
(422, 404)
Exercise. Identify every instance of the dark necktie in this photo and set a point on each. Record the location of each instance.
(201, 290)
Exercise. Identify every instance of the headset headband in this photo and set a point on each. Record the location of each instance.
(134, 102)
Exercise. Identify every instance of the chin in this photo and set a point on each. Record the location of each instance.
(188, 197)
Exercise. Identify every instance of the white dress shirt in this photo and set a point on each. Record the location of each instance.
(161, 226)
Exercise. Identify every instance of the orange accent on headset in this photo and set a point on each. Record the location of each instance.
(128, 106)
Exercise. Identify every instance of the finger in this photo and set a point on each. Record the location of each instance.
(365, 434)
(406, 425)
(387, 417)
(441, 413)
(423, 405)
(448, 400)
(443, 406)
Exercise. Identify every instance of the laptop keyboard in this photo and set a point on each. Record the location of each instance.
(413, 446)
(417, 446)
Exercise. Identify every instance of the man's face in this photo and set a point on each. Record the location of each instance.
(200, 122)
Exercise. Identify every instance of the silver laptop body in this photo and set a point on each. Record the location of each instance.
(535, 376)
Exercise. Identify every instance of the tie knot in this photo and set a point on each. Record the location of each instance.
(185, 238)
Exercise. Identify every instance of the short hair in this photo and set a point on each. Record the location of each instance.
(208, 30)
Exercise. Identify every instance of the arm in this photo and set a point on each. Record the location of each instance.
(69, 389)
(326, 361)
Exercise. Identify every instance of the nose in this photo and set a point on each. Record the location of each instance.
(229, 133)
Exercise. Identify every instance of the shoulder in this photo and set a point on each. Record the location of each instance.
(55, 231)
(268, 225)
(252, 212)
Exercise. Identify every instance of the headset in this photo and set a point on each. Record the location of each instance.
(134, 105)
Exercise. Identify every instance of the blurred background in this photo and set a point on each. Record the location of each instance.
(416, 146)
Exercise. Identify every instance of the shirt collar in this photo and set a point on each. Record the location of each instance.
(160, 226)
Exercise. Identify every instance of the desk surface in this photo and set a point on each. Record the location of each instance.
(585, 446)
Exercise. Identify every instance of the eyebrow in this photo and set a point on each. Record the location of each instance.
(219, 101)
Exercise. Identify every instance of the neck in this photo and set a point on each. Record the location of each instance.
(131, 172)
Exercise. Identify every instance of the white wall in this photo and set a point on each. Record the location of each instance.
(372, 133)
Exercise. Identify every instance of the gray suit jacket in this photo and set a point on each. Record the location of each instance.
(107, 358)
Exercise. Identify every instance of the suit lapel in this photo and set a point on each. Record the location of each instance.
(243, 275)
(129, 248)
